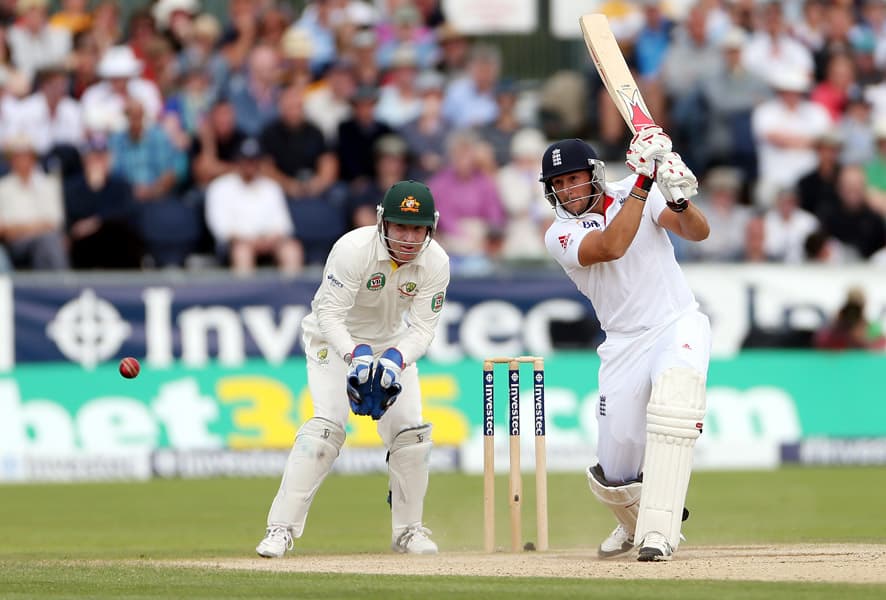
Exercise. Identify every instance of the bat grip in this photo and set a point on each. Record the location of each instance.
(676, 193)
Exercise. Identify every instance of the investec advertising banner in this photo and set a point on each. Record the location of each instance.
(223, 387)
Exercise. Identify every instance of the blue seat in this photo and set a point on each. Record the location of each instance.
(170, 229)
(319, 222)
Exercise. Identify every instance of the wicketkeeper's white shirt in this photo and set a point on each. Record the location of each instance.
(366, 298)
(643, 289)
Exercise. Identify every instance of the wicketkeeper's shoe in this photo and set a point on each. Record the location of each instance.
(618, 542)
(655, 548)
(414, 540)
(276, 542)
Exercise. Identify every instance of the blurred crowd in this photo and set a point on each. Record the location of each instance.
(173, 137)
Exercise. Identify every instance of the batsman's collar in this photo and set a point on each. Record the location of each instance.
(382, 255)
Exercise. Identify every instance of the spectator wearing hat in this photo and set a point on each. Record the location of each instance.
(144, 156)
(256, 93)
(50, 116)
(33, 41)
(785, 129)
(470, 100)
(199, 51)
(786, 228)
(528, 214)
(247, 215)
(31, 210)
(357, 136)
(500, 132)
(301, 162)
(817, 189)
(175, 18)
(729, 97)
(328, 104)
(296, 50)
(391, 165)
(100, 213)
(120, 73)
(426, 136)
(214, 150)
(406, 30)
(399, 101)
(720, 197)
(74, 16)
(455, 51)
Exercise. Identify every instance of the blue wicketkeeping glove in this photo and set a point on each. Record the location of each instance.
(360, 379)
(386, 381)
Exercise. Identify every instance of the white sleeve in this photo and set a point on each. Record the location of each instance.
(338, 292)
(563, 238)
(216, 214)
(655, 203)
(424, 313)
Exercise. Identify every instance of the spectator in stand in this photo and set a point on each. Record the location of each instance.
(328, 104)
(810, 30)
(787, 226)
(840, 21)
(73, 16)
(875, 170)
(31, 210)
(455, 52)
(833, 93)
(471, 210)
(297, 51)
(729, 98)
(319, 21)
(141, 32)
(849, 329)
(247, 215)
(357, 136)
(215, 147)
(406, 30)
(84, 64)
(49, 116)
(470, 100)
(399, 100)
(144, 156)
(273, 23)
(301, 162)
(363, 48)
(755, 241)
(101, 214)
(106, 25)
(852, 221)
(256, 93)
(33, 41)
(200, 52)
(856, 129)
(175, 20)
(391, 162)
(103, 103)
(426, 135)
(817, 190)
(785, 129)
(500, 132)
(523, 195)
(727, 218)
(771, 48)
(186, 108)
(822, 248)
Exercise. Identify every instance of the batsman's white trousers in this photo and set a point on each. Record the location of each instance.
(326, 380)
(629, 364)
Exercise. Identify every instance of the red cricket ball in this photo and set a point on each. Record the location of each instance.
(129, 367)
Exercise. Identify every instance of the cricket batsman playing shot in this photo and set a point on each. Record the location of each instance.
(373, 316)
(611, 239)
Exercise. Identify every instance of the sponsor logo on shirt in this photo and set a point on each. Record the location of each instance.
(437, 302)
(410, 204)
(333, 281)
(376, 282)
(602, 405)
(408, 289)
(323, 355)
(564, 240)
(590, 224)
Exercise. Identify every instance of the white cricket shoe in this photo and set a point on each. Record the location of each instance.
(276, 542)
(656, 547)
(618, 542)
(414, 540)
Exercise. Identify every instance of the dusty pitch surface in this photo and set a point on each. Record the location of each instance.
(848, 563)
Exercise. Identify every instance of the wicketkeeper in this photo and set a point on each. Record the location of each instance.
(371, 319)
(612, 241)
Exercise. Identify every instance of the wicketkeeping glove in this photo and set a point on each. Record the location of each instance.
(386, 380)
(647, 146)
(674, 178)
(359, 382)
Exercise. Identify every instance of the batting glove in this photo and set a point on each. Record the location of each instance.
(676, 181)
(647, 146)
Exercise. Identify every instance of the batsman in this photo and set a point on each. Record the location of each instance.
(371, 319)
(611, 238)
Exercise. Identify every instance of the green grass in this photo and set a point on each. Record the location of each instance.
(225, 517)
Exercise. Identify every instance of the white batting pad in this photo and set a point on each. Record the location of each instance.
(673, 423)
(316, 447)
(623, 499)
(408, 472)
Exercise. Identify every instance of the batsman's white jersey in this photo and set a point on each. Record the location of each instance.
(365, 298)
(650, 317)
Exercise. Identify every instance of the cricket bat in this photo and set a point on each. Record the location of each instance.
(616, 75)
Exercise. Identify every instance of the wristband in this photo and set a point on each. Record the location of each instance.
(644, 183)
(640, 198)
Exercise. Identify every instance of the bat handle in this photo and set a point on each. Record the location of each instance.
(676, 193)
